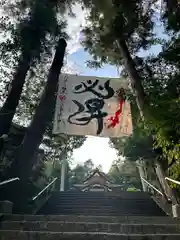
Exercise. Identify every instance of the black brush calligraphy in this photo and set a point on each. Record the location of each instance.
(93, 108)
(89, 86)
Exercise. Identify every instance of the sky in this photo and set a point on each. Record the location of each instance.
(94, 148)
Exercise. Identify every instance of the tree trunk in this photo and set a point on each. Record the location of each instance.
(171, 6)
(24, 161)
(134, 76)
(9, 108)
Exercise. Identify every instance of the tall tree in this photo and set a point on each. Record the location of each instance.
(116, 33)
(42, 117)
(35, 32)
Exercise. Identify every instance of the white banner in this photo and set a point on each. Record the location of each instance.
(92, 106)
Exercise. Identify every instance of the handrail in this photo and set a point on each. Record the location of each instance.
(44, 189)
(9, 180)
(171, 180)
(152, 186)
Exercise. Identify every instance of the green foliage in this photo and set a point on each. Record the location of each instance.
(125, 173)
(165, 119)
(39, 178)
(133, 190)
(137, 146)
(111, 21)
(58, 148)
(80, 172)
(35, 29)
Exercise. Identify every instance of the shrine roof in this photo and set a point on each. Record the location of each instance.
(102, 174)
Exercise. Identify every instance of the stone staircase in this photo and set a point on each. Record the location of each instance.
(103, 204)
(91, 216)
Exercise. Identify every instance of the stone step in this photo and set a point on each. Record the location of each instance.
(86, 197)
(123, 194)
(58, 226)
(99, 196)
(103, 204)
(108, 202)
(119, 205)
(110, 214)
(82, 218)
(96, 212)
(102, 210)
(93, 206)
(64, 210)
(88, 203)
(33, 235)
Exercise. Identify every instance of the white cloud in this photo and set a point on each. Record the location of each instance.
(98, 150)
(70, 67)
(75, 25)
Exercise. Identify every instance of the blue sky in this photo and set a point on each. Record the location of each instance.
(79, 59)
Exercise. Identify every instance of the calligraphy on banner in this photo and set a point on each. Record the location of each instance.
(92, 106)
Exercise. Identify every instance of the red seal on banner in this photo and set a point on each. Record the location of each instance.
(114, 120)
(62, 97)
